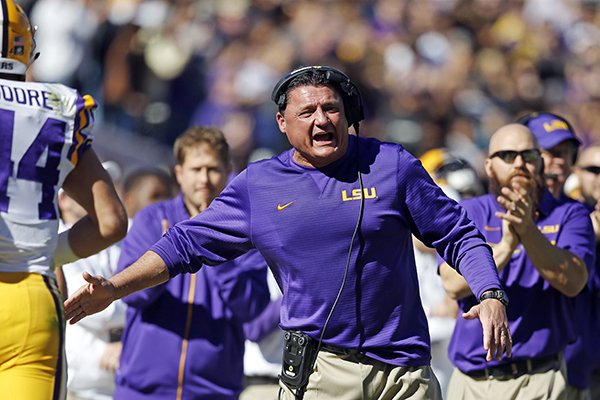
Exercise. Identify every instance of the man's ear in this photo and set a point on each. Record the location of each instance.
(280, 122)
(488, 167)
(177, 171)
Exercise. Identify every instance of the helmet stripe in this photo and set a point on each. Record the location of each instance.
(5, 23)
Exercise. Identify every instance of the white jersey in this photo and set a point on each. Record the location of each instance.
(44, 129)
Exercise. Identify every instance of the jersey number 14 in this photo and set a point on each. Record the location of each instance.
(52, 137)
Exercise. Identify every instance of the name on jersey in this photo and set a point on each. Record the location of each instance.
(31, 97)
(355, 194)
(6, 66)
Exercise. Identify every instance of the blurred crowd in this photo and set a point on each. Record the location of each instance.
(434, 73)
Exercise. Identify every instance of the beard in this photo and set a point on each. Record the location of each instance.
(534, 184)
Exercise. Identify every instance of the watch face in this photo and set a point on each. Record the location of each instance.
(499, 295)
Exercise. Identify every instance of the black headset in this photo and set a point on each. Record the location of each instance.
(526, 119)
(348, 90)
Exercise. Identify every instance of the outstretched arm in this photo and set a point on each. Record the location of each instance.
(149, 270)
(456, 286)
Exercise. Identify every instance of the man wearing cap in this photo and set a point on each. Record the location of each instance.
(334, 217)
(543, 248)
(559, 144)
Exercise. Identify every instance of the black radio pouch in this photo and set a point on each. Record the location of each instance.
(299, 353)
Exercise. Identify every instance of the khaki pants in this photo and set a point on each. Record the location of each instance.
(260, 392)
(549, 385)
(341, 377)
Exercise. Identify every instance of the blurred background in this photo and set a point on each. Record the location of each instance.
(433, 73)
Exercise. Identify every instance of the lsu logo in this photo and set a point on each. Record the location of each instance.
(549, 228)
(554, 125)
(355, 194)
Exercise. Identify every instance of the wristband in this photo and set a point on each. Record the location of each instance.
(64, 253)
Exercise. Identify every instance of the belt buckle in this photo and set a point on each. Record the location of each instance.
(495, 373)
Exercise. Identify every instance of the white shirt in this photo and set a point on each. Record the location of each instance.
(86, 340)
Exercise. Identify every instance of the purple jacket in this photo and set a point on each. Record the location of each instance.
(187, 334)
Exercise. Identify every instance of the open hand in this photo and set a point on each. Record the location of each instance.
(89, 299)
(519, 209)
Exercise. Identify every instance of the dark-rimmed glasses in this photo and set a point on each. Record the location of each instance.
(593, 169)
(509, 156)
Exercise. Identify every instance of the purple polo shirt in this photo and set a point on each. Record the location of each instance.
(211, 306)
(583, 356)
(302, 221)
(540, 317)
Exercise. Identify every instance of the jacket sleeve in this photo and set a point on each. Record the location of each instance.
(216, 235)
(440, 222)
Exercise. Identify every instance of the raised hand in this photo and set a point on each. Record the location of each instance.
(519, 207)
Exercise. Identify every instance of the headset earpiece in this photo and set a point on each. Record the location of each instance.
(350, 92)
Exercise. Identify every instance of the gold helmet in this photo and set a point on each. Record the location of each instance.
(16, 38)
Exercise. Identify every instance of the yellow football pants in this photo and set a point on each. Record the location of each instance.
(32, 362)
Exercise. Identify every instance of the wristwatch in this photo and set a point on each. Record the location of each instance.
(497, 294)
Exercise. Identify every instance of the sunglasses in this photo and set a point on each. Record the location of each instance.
(592, 169)
(509, 156)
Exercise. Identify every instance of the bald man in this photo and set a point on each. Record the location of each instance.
(542, 248)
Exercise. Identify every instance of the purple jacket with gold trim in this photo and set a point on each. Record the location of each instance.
(187, 334)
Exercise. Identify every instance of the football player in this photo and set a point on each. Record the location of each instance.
(45, 138)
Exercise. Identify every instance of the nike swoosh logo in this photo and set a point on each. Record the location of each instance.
(491, 228)
(281, 207)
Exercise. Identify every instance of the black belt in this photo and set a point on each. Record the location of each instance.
(342, 351)
(517, 368)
